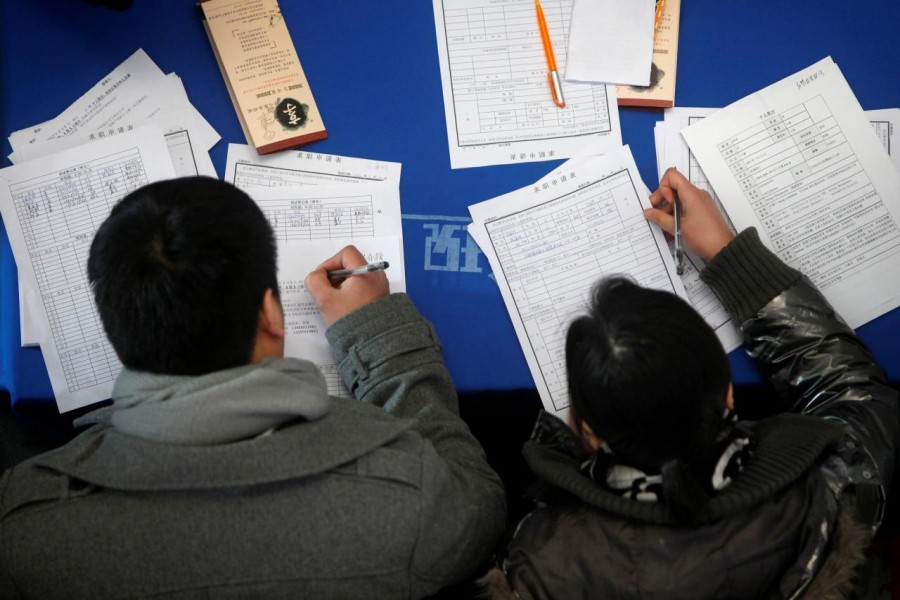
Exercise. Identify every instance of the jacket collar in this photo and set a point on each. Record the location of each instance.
(787, 446)
(315, 433)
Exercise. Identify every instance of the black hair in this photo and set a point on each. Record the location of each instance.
(650, 378)
(179, 270)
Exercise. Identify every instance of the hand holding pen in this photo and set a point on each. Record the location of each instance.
(703, 228)
(346, 282)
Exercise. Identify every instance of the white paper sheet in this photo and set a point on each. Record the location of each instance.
(611, 42)
(52, 208)
(246, 169)
(797, 160)
(304, 326)
(188, 158)
(497, 99)
(549, 244)
(323, 212)
(132, 94)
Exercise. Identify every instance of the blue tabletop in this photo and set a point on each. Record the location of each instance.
(373, 68)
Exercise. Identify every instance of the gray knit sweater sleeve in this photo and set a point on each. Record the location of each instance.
(746, 275)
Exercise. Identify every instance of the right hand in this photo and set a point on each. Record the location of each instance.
(339, 298)
(703, 227)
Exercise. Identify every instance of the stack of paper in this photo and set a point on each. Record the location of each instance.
(51, 208)
(798, 161)
(133, 127)
(135, 93)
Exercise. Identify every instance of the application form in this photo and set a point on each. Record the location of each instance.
(550, 242)
(188, 158)
(316, 212)
(132, 93)
(51, 209)
(497, 99)
(798, 161)
(672, 151)
(246, 168)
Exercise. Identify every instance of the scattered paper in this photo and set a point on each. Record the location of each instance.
(51, 209)
(797, 160)
(497, 100)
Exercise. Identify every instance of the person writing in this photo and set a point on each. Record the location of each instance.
(656, 490)
(223, 468)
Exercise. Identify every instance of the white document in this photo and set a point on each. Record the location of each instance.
(133, 93)
(797, 160)
(497, 99)
(304, 326)
(324, 212)
(246, 169)
(548, 245)
(183, 137)
(52, 208)
(188, 158)
(611, 41)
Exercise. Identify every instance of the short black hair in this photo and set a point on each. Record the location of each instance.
(179, 270)
(648, 375)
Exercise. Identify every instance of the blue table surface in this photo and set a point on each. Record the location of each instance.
(373, 69)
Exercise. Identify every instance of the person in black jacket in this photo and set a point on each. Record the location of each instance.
(656, 490)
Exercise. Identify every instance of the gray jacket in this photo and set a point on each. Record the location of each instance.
(253, 482)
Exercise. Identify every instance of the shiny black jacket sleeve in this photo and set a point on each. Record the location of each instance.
(811, 356)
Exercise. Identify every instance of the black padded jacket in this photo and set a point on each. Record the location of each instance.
(795, 521)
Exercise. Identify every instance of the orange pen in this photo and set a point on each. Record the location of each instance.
(553, 75)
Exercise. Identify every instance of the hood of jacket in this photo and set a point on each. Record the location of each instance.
(216, 408)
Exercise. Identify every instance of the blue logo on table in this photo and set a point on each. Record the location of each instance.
(448, 245)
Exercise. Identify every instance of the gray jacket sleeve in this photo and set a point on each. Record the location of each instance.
(811, 356)
(389, 356)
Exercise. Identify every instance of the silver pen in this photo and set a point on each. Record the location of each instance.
(679, 243)
(344, 273)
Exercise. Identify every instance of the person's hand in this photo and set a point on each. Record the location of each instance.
(341, 297)
(703, 227)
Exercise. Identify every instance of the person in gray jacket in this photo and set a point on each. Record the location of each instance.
(223, 469)
(655, 490)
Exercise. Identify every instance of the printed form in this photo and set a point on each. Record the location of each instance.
(313, 222)
(51, 209)
(246, 169)
(672, 151)
(549, 243)
(132, 93)
(497, 99)
(798, 161)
